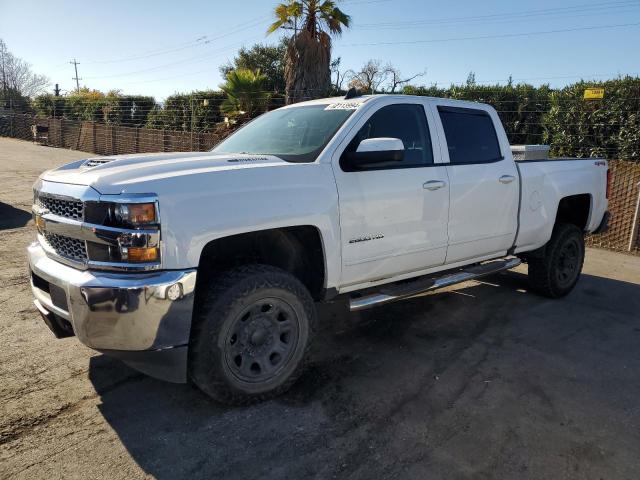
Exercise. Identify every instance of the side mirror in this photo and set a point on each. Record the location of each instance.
(375, 150)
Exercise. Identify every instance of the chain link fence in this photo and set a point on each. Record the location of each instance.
(623, 234)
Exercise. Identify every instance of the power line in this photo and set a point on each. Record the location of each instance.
(198, 58)
(506, 16)
(550, 17)
(482, 37)
(410, 42)
(202, 40)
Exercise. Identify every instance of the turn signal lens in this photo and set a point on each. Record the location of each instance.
(137, 254)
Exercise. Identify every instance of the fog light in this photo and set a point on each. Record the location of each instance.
(174, 292)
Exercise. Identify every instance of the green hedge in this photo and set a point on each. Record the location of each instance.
(531, 115)
(129, 110)
(609, 127)
(175, 112)
(561, 118)
(520, 107)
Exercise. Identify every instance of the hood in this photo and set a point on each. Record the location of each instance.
(115, 174)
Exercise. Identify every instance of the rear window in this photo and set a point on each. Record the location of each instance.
(471, 136)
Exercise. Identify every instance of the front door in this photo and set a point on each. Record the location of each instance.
(393, 216)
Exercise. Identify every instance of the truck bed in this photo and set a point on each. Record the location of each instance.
(544, 183)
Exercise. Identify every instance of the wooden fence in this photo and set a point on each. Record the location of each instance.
(103, 139)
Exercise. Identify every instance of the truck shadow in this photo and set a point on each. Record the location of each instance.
(12, 217)
(386, 388)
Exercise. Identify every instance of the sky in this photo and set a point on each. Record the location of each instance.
(162, 47)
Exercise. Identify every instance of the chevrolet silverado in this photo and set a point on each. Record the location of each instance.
(206, 266)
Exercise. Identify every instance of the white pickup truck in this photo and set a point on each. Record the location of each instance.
(206, 266)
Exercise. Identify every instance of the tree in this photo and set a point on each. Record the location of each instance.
(308, 57)
(269, 59)
(245, 93)
(396, 79)
(471, 79)
(370, 77)
(336, 84)
(16, 78)
(374, 77)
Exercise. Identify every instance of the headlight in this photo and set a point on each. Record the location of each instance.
(136, 248)
(134, 214)
(134, 232)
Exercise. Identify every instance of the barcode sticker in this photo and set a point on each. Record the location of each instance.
(343, 106)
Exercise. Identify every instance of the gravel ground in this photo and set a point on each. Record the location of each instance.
(482, 381)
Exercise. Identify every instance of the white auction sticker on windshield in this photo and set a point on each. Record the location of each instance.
(343, 106)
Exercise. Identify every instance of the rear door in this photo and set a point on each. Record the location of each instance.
(393, 216)
(484, 183)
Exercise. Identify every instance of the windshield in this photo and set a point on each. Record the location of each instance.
(295, 134)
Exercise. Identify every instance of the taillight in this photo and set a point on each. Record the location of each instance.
(608, 183)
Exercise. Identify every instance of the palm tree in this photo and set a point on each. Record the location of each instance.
(245, 91)
(308, 57)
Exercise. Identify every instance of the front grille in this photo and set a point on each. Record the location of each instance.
(73, 209)
(67, 247)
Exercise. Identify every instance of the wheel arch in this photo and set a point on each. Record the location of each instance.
(575, 209)
(298, 250)
(572, 209)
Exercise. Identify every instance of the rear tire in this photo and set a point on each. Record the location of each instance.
(556, 273)
(251, 335)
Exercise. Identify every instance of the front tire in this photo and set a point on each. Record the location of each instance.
(251, 335)
(556, 273)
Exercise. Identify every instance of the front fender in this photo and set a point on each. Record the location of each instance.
(198, 209)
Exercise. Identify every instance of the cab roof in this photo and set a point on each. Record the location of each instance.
(360, 100)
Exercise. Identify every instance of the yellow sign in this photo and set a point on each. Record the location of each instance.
(594, 94)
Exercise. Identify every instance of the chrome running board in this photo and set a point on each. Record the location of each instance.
(392, 293)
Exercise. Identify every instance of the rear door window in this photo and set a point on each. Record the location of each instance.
(471, 135)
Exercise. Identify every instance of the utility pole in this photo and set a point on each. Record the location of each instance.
(56, 91)
(75, 65)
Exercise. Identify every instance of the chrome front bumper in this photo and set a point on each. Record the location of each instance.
(119, 313)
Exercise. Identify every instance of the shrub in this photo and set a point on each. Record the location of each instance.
(609, 127)
(175, 113)
(95, 106)
(561, 118)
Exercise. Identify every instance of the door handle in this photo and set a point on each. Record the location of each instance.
(434, 184)
(507, 178)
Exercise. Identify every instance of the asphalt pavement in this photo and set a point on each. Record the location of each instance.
(482, 381)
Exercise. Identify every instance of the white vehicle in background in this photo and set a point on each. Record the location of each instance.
(206, 266)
